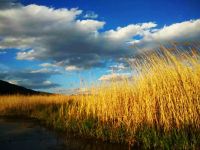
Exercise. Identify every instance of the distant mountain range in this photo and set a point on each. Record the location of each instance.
(11, 89)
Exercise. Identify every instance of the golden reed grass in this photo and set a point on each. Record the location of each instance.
(158, 108)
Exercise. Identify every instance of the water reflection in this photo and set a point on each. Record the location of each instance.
(26, 134)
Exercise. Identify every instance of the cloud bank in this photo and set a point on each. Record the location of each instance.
(56, 35)
(179, 32)
(60, 38)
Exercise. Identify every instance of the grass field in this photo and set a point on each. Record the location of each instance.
(157, 108)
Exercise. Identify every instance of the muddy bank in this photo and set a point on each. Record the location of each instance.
(26, 134)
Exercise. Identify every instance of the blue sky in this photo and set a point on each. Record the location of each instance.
(53, 45)
(120, 13)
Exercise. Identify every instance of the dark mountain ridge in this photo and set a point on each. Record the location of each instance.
(11, 89)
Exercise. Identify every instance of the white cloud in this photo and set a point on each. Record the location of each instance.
(48, 65)
(46, 70)
(89, 25)
(27, 55)
(47, 82)
(72, 68)
(33, 21)
(16, 82)
(117, 68)
(184, 31)
(90, 15)
(115, 77)
(53, 35)
(43, 70)
(128, 32)
(12, 42)
(58, 37)
(187, 29)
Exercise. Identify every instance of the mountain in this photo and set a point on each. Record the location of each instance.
(10, 89)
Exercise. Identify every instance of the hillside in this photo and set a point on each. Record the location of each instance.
(10, 89)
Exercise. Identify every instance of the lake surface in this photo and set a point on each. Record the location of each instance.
(27, 134)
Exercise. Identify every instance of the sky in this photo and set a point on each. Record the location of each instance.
(59, 45)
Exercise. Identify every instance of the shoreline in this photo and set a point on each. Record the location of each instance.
(63, 136)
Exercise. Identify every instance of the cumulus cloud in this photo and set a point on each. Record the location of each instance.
(128, 32)
(33, 79)
(35, 21)
(58, 37)
(89, 25)
(13, 42)
(179, 32)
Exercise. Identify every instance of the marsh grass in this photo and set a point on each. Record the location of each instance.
(158, 108)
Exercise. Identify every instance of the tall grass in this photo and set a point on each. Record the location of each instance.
(158, 108)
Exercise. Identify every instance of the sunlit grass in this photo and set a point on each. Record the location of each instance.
(158, 108)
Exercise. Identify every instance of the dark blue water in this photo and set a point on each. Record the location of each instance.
(26, 134)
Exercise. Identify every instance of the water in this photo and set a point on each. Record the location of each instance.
(27, 134)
